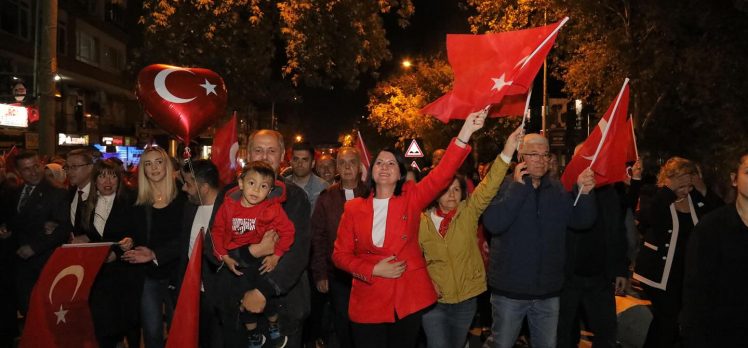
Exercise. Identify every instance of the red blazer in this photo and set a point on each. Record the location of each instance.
(375, 299)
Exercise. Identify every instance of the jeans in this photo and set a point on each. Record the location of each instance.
(446, 325)
(157, 301)
(597, 296)
(508, 314)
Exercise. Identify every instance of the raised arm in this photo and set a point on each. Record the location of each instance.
(439, 178)
(487, 189)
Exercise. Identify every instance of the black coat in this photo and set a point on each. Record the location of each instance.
(163, 236)
(115, 296)
(46, 204)
(653, 264)
(608, 234)
(714, 300)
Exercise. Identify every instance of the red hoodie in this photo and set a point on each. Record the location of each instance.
(238, 226)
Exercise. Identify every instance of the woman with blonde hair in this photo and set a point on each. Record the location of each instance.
(666, 224)
(158, 216)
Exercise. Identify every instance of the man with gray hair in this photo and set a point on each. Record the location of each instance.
(528, 220)
(325, 220)
(288, 281)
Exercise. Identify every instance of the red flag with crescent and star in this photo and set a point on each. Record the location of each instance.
(493, 69)
(58, 314)
(186, 324)
(223, 152)
(608, 148)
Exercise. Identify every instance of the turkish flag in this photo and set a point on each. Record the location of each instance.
(58, 313)
(365, 155)
(608, 148)
(186, 323)
(493, 69)
(223, 152)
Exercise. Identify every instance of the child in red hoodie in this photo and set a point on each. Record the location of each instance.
(246, 214)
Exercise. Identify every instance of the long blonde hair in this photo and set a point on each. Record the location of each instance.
(675, 167)
(145, 187)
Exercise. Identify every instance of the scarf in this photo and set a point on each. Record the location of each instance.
(447, 219)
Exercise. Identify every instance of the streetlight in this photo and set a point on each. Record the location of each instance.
(299, 138)
(407, 63)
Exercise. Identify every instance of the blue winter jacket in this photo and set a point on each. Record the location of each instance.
(528, 228)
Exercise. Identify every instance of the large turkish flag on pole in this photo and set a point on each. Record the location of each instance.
(493, 69)
(58, 314)
(608, 148)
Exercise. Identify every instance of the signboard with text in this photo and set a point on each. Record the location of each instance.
(71, 139)
(14, 116)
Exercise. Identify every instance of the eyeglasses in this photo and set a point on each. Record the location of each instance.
(75, 166)
(537, 156)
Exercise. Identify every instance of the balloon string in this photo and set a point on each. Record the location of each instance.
(192, 171)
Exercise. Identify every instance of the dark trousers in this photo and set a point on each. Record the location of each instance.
(340, 294)
(666, 305)
(596, 296)
(210, 328)
(403, 333)
(8, 303)
(156, 305)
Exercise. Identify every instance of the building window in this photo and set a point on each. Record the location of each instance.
(87, 48)
(15, 18)
(62, 38)
(113, 59)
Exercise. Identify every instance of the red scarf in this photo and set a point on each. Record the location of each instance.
(447, 219)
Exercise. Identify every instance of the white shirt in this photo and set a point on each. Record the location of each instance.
(101, 213)
(348, 194)
(436, 219)
(201, 221)
(380, 221)
(74, 204)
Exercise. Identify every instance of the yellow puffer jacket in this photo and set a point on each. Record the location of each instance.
(454, 262)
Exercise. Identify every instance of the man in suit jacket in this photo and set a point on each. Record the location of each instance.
(79, 168)
(38, 224)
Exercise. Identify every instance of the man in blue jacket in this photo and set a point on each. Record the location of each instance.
(528, 221)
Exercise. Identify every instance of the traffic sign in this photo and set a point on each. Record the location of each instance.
(414, 150)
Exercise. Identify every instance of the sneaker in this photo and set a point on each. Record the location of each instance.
(277, 340)
(256, 340)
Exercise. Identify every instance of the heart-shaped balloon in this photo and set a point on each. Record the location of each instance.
(183, 101)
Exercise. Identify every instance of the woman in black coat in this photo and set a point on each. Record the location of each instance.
(115, 295)
(667, 224)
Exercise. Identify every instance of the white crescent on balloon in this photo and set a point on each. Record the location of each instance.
(74, 270)
(159, 83)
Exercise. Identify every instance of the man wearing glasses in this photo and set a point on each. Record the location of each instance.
(79, 166)
(528, 221)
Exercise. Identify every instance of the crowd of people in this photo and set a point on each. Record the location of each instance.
(326, 256)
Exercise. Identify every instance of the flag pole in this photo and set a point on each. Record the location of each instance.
(633, 134)
(537, 49)
(605, 134)
(524, 117)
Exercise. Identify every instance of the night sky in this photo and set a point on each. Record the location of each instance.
(325, 113)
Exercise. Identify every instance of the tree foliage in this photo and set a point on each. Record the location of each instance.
(395, 104)
(685, 59)
(319, 43)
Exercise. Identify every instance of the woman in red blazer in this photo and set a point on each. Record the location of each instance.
(377, 243)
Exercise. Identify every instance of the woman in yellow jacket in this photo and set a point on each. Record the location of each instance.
(449, 241)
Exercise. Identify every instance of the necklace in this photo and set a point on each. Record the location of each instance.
(680, 200)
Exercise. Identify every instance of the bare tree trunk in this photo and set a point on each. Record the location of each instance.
(47, 70)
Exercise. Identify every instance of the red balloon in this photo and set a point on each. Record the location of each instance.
(183, 101)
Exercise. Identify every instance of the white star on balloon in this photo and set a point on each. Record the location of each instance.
(500, 83)
(61, 315)
(209, 88)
